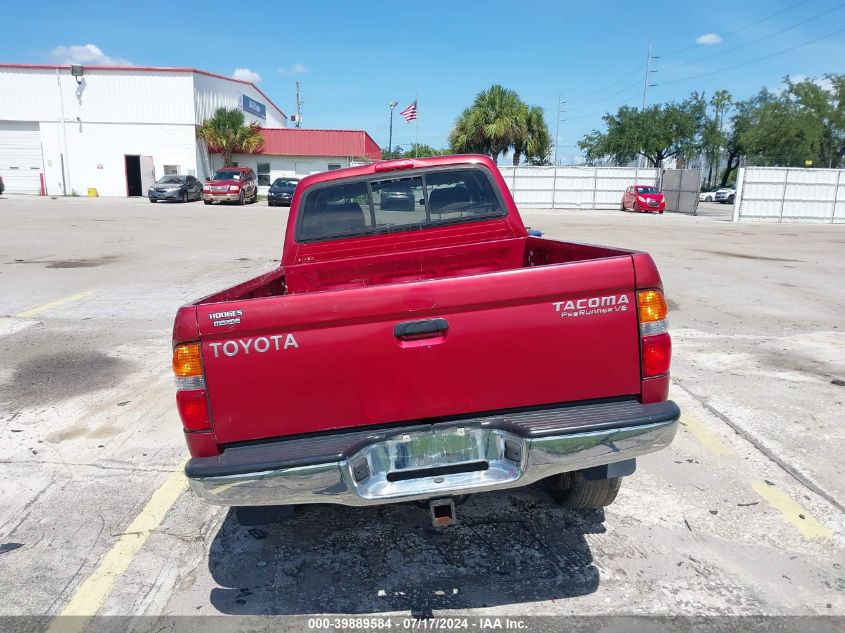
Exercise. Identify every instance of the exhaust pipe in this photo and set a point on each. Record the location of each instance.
(442, 512)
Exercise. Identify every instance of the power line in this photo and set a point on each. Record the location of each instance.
(759, 39)
(742, 28)
(610, 85)
(752, 61)
(607, 97)
(589, 114)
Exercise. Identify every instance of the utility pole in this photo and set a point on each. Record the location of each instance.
(392, 105)
(560, 102)
(648, 73)
(299, 103)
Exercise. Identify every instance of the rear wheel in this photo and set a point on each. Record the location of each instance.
(622, 206)
(573, 490)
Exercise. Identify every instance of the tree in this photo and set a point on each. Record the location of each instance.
(415, 151)
(490, 125)
(227, 132)
(735, 138)
(804, 122)
(713, 135)
(658, 132)
(534, 141)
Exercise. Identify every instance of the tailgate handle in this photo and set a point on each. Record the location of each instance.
(420, 329)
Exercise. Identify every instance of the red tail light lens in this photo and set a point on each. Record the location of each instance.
(193, 409)
(657, 354)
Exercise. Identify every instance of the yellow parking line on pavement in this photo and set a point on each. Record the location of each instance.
(94, 590)
(52, 304)
(701, 433)
(792, 511)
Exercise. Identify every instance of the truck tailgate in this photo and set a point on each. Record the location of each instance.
(400, 352)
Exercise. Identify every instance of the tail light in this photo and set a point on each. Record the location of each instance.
(654, 333)
(191, 398)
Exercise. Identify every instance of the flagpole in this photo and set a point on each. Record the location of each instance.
(417, 142)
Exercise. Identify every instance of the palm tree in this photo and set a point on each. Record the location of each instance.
(491, 125)
(227, 132)
(534, 141)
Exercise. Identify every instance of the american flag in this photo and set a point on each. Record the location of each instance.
(410, 113)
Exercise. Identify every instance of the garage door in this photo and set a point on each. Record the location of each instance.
(20, 156)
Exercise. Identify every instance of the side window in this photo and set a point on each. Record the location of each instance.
(333, 166)
(264, 174)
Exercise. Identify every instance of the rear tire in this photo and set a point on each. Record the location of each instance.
(622, 207)
(572, 490)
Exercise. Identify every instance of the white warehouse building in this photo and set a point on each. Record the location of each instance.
(67, 129)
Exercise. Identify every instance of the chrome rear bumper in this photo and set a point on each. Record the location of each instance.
(434, 460)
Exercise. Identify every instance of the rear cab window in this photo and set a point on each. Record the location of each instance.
(387, 203)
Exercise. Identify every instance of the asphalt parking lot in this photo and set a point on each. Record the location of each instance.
(743, 514)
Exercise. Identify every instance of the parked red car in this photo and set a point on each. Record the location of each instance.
(643, 198)
(231, 184)
(394, 355)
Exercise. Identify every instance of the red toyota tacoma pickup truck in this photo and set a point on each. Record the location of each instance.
(422, 352)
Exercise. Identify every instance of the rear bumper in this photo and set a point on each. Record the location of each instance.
(427, 461)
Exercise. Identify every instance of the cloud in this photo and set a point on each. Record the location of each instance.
(709, 38)
(296, 69)
(245, 74)
(86, 55)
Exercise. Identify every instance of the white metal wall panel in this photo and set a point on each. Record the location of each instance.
(791, 194)
(95, 156)
(573, 187)
(211, 93)
(20, 156)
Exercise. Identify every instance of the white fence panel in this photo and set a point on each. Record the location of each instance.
(790, 194)
(573, 187)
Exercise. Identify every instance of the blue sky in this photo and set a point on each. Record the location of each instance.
(353, 58)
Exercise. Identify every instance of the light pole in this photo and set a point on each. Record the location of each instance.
(392, 105)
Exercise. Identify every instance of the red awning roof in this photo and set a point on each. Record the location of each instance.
(297, 142)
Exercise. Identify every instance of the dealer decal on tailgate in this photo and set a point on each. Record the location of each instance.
(592, 305)
(260, 345)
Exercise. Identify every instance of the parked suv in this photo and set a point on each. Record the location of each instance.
(725, 196)
(231, 184)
